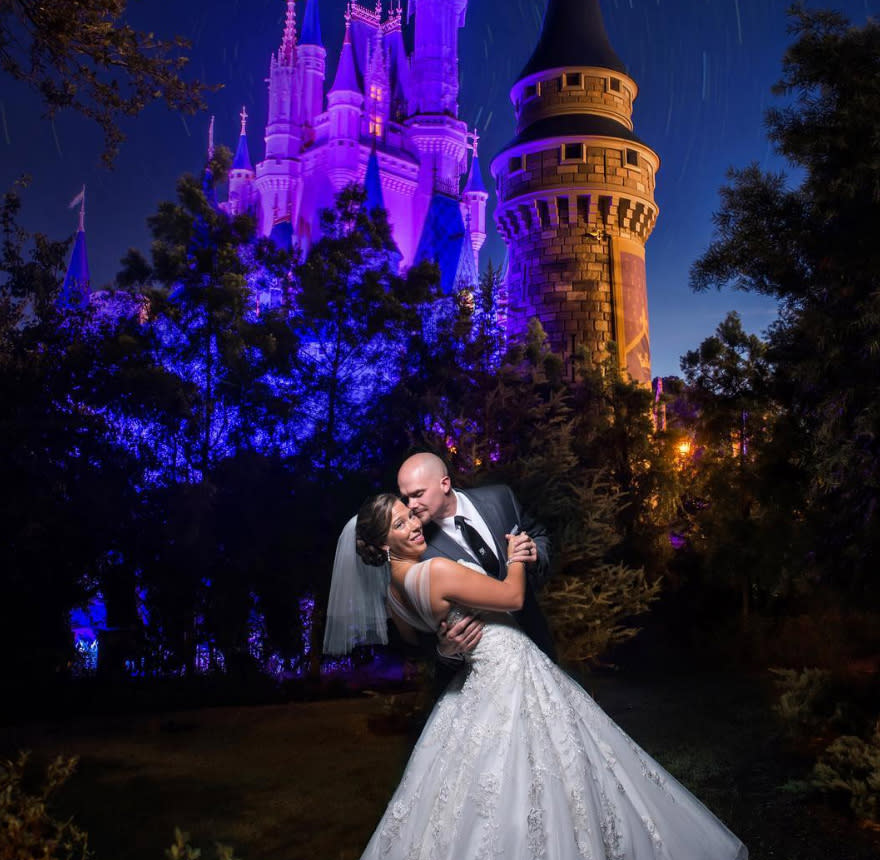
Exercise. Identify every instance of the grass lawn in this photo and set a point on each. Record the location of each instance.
(308, 781)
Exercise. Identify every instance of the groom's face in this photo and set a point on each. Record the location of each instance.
(426, 493)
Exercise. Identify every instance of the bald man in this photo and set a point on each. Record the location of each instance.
(472, 525)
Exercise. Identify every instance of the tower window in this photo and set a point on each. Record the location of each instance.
(531, 91)
(562, 206)
(544, 214)
(572, 79)
(583, 208)
(614, 84)
(632, 158)
(517, 162)
(572, 152)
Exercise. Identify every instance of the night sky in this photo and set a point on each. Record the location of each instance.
(704, 68)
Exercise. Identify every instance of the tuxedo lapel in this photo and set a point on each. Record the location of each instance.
(492, 514)
(441, 544)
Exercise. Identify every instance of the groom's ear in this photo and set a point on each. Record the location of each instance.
(446, 484)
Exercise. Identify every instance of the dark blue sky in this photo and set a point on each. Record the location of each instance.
(704, 68)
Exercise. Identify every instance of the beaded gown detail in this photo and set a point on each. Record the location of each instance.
(517, 762)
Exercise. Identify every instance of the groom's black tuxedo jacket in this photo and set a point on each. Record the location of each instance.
(501, 511)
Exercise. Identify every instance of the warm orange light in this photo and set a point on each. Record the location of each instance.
(684, 448)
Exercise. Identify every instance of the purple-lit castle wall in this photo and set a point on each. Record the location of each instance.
(398, 109)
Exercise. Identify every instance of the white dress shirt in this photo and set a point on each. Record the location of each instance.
(464, 508)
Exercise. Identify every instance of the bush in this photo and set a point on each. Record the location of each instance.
(807, 705)
(852, 766)
(27, 829)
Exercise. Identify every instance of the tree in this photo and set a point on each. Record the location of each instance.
(81, 55)
(355, 316)
(813, 247)
(68, 487)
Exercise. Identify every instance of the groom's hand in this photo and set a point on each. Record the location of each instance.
(460, 638)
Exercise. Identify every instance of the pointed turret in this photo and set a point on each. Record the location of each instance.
(573, 34)
(242, 160)
(373, 182)
(287, 53)
(311, 29)
(345, 106)
(75, 290)
(208, 172)
(241, 174)
(575, 192)
(346, 77)
(311, 61)
(473, 201)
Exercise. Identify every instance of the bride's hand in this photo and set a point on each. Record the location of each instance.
(460, 638)
(520, 547)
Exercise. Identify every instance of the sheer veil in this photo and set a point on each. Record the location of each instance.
(356, 611)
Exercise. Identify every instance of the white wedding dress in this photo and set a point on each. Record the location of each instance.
(517, 762)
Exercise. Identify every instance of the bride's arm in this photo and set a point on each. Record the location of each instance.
(455, 583)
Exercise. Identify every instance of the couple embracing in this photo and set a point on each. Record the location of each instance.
(516, 760)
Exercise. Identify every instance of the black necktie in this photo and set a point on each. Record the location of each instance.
(488, 560)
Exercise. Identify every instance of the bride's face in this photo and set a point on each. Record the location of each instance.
(405, 538)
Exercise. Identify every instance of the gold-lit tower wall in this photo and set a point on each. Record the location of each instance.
(575, 191)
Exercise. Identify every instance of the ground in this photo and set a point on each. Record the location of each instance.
(308, 781)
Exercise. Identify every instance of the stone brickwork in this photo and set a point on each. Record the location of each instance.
(575, 207)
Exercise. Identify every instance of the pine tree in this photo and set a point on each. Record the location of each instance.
(813, 247)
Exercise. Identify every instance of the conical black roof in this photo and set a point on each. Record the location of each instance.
(573, 34)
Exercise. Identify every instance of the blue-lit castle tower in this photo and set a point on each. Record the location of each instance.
(389, 119)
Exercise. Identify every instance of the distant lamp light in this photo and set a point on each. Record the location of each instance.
(683, 448)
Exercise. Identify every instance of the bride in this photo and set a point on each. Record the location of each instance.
(516, 761)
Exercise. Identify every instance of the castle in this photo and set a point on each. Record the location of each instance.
(389, 120)
(575, 186)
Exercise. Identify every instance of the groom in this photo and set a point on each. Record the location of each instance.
(471, 525)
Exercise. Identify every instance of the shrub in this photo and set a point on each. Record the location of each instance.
(852, 766)
(27, 828)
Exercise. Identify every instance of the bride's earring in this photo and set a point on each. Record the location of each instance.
(388, 553)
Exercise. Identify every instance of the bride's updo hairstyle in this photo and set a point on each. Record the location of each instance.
(373, 525)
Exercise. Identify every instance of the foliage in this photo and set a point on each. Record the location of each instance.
(591, 601)
(82, 55)
(806, 705)
(851, 765)
(27, 827)
(181, 849)
(353, 313)
(822, 266)
(513, 417)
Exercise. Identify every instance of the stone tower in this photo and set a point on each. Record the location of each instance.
(575, 194)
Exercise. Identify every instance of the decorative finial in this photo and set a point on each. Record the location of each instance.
(288, 43)
(244, 116)
(81, 200)
(476, 141)
(211, 139)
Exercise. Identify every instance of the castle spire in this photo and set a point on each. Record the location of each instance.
(242, 160)
(573, 34)
(288, 41)
(475, 182)
(75, 289)
(373, 181)
(211, 140)
(346, 78)
(311, 31)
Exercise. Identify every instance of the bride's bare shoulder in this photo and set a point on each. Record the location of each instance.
(441, 566)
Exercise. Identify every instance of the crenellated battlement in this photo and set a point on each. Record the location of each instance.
(575, 191)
